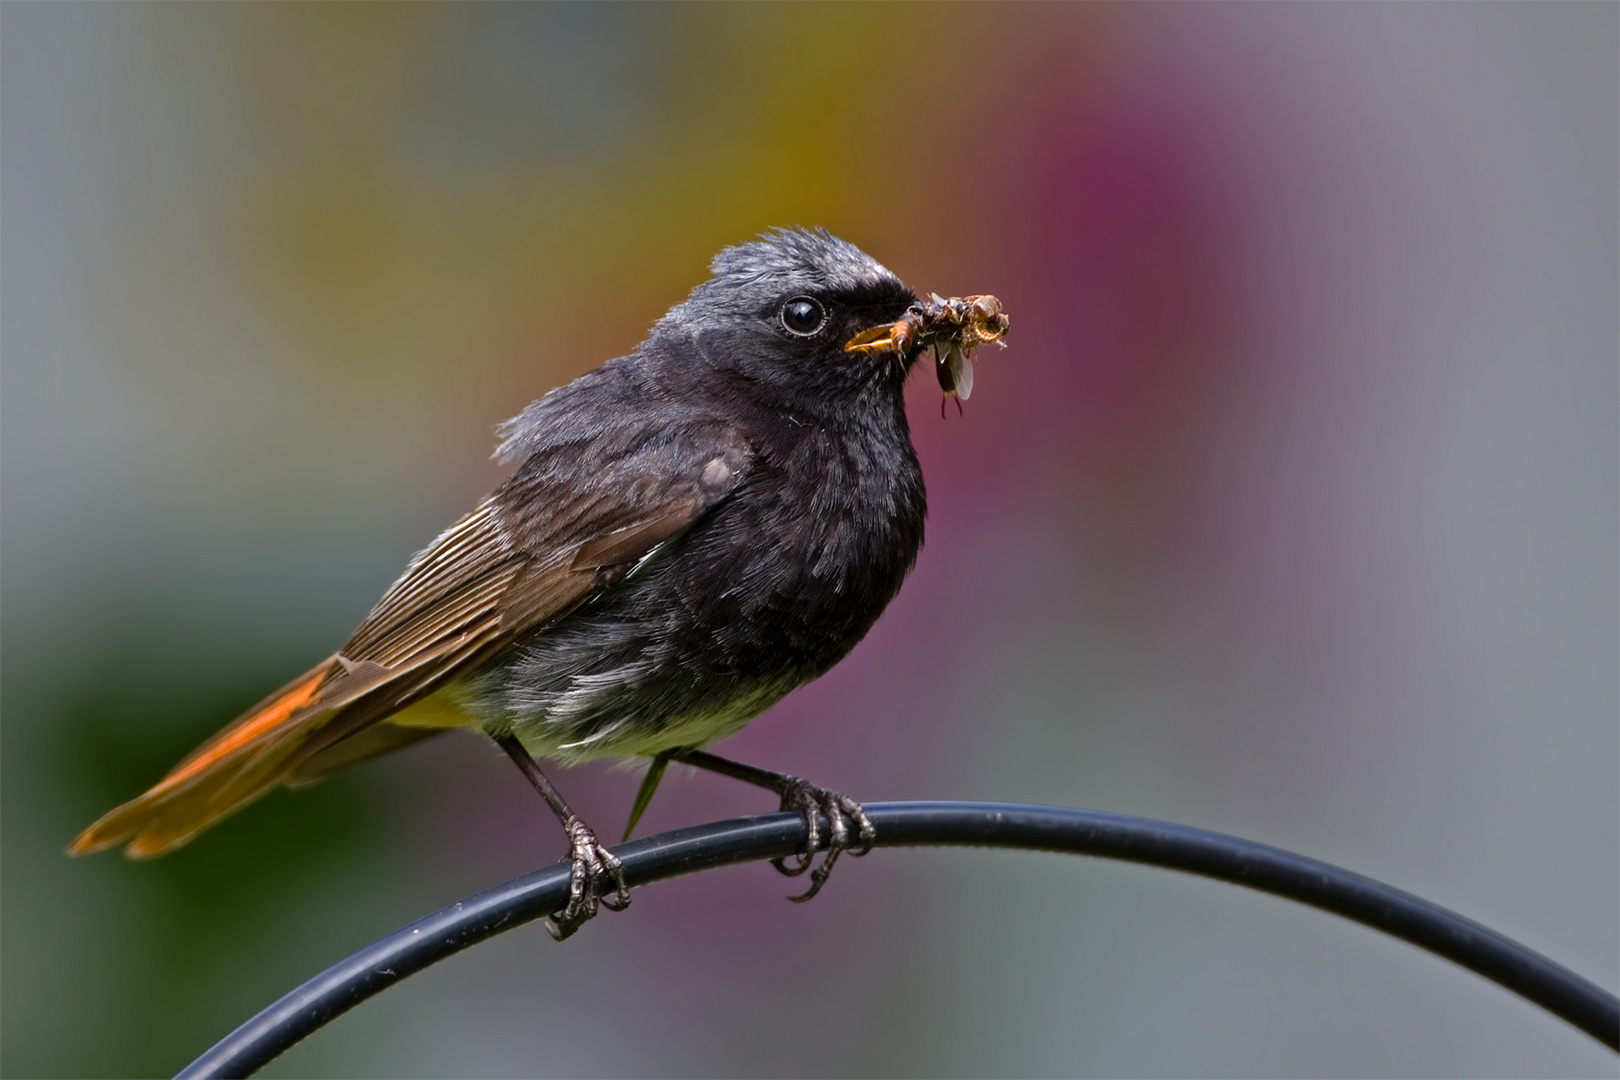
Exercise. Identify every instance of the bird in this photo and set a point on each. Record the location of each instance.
(689, 532)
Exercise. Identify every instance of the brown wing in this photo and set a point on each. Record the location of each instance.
(561, 529)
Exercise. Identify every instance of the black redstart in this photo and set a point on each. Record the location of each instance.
(692, 531)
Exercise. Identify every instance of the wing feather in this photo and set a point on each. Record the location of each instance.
(523, 557)
(470, 549)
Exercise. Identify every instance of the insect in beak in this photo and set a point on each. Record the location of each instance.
(953, 328)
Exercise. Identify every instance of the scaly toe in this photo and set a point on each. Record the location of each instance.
(592, 866)
(865, 831)
(842, 813)
(619, 898)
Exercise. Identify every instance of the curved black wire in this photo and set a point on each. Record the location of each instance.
(1043, 828)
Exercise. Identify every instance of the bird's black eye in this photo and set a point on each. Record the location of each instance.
(803, 316)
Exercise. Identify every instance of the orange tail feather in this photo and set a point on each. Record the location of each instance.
(236, 766)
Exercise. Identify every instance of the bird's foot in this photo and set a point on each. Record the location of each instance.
(595, 869)
(844, 816)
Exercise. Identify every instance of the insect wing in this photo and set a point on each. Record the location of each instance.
(964, 373)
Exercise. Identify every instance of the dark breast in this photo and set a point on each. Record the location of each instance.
(767, 592)
(792, 572)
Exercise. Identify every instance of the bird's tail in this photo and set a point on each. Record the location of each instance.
(259, 750)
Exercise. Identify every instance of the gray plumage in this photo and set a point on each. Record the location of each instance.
(808, 513)
(690, 532)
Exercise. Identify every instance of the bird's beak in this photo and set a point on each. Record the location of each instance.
(895, 337)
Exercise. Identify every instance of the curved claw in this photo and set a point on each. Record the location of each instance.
(803, 864)
(593, 867)
(842, 812)
(817, 879)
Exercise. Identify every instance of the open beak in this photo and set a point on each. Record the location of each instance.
(953, 327)
(895, 337)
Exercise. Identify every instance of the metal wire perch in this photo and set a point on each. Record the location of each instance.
(926, 824)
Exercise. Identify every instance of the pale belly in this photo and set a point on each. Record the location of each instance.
(448, 708)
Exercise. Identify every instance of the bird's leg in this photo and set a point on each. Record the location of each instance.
(593, 864)
(843, 814)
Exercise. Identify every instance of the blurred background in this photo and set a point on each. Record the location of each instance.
(1290, 512)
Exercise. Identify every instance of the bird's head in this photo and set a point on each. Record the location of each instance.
(817, 319)
(779, 311)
